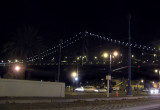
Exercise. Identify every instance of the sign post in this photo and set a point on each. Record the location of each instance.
(108, 77)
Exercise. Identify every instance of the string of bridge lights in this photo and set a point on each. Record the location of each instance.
(67, 42)
(123, 43)
(55, 48)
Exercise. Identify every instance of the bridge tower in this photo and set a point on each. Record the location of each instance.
(85, 45)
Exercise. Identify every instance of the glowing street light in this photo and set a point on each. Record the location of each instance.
(74, 74)
(156, 70)
(142, 81)
(95, 58)
(77, 58)
(17, 68)
(132, 56)
(153, 82)
(16, 60)
(115, 53)
(75, 77)
(105, 55)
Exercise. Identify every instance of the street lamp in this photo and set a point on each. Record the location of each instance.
(115, 53)
(142, 81)
(75, 77)
(105, 55)
(74, 74)
(16, 60)
(139, 82)
(17, 68)
(158, 71)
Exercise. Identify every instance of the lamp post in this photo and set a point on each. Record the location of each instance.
(158, 71)
(139, 82)
(75, 78)
(108, 77)
(77, 73)
(105, 55)
(17, 69)
(142, 81)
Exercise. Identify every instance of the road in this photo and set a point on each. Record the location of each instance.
(125, 104)
(82, 101)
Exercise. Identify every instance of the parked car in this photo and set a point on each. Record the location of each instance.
(90, 89)
(86, 89)
(100, 90)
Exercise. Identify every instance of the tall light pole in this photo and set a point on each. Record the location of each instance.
(108, 77)
(59, 62)
(17, 69)
(158, 71)
(115, 53)
(77, 73)
(110, 64)
(129, 89)
(75, 78)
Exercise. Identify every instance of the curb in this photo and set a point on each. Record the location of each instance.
(49, 100)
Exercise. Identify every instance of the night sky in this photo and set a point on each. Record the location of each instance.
(55, 20)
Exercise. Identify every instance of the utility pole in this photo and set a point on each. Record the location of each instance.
(59, 62)
(110, 72)
(77, 75)
(129, 89)
(158, 72)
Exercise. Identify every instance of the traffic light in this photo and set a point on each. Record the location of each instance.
(139, 66)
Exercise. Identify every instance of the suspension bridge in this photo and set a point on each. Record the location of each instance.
(85, 49)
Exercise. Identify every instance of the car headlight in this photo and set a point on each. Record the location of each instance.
(154, 91)
(96, 90)
(80, 89)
